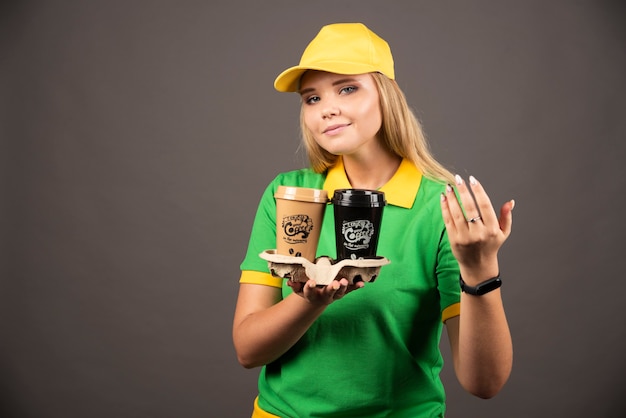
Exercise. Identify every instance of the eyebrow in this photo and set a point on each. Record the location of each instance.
(336, 82)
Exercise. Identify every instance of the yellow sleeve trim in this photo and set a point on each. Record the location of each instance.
(259, 413)
(257, 277)
(451, 311)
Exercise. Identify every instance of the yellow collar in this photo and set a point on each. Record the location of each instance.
(400, 190)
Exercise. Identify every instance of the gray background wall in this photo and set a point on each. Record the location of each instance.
(138, 136)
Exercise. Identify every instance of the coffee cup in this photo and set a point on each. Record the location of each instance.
(299, 216)
(358, 216)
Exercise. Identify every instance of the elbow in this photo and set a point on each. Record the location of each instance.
(488, 388)
(246, 358)
(252, 354)
(485, 392)
(487, 380)
(485, 384)
(246, 364)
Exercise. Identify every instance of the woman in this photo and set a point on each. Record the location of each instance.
(368, 350)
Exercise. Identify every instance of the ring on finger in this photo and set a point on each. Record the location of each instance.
(473, 220)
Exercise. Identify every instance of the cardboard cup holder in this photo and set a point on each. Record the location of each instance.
(324, 270)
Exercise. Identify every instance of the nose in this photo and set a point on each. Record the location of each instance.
(329, 111)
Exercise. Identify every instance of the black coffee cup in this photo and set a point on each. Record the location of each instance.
(358, 216)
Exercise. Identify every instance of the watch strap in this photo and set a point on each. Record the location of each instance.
(481, 288)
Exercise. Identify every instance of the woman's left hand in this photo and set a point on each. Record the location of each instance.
(476, 235)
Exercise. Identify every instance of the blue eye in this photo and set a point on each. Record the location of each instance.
(312, 99)
(348, 89)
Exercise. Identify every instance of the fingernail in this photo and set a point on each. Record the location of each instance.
(512, 204)
(448, 188)
(458, 179)
(472, 180)
(443, 197)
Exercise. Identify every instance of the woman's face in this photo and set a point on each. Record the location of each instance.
(341, 111)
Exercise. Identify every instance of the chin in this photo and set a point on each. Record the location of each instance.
(338, 150)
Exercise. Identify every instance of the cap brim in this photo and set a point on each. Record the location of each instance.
(289, 80)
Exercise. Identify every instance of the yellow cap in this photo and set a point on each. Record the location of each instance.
(341, 48)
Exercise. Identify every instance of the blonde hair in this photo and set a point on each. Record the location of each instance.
(401, 133)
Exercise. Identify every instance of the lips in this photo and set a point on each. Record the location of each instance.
(334, 129)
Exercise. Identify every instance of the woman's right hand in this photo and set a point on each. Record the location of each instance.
(323, 295)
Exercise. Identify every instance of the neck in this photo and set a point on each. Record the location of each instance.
(371, 172)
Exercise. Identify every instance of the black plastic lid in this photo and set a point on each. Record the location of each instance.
(362, 198)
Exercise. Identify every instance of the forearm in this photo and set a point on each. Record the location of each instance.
(485, 351)
(261, 337)
(480, 336)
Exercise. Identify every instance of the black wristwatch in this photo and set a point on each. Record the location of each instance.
(481, 288)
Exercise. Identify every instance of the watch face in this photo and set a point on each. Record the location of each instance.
(488, 286)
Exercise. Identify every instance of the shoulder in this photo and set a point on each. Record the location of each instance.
(428, 199)
(430, 187)
(304, 177)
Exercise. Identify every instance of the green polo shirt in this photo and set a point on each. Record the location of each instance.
(376, 351)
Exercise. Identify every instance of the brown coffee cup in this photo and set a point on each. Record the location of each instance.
(299, 216)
